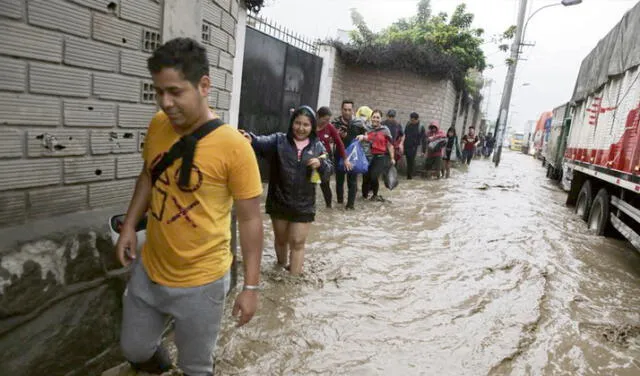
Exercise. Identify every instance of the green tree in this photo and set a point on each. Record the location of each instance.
(452, 37)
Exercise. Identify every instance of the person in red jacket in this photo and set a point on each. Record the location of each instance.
(382, 151)
(328, 134)
(434, 145)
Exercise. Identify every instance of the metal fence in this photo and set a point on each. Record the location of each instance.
(280, 32)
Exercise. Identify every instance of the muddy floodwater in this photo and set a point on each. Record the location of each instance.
(487, 273)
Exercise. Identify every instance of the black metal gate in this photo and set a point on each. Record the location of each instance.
(276, 76)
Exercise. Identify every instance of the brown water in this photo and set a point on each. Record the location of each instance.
(487, 273)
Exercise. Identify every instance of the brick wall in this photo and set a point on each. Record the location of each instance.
(75, 101)
(76, 98)
(403, 91)
(219, 19)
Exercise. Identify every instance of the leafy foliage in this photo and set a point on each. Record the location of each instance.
(254, 5)
(435, 45)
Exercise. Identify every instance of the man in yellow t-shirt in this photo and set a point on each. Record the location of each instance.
(183, 270)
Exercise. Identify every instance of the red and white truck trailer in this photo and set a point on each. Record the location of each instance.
(602, 157)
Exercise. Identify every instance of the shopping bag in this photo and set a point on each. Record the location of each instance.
(355, 155)
(391, 178)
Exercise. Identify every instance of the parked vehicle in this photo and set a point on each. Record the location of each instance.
(554, 149)
(602, 158)
(516, 141)
(540, 134)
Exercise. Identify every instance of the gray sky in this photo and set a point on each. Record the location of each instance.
(563, 37)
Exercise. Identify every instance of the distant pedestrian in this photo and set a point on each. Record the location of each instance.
(414, 134)
(434, 145)
(489, 143)
(291, 197)
(469, 143)
(348, 127)
(382, 154)
(397, 134)
(452, 151)
(328, 135)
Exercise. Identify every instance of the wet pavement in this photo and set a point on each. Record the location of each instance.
(487, 273)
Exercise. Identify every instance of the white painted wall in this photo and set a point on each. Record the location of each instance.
(236, 91)
(328, 55)
(182, 19)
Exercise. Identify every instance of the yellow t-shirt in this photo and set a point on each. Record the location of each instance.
(188, 229)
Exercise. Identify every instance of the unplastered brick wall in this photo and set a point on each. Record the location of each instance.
(76, 98)
(219, 20)
(403, 91)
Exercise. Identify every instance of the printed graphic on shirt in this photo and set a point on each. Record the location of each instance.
(168, 203)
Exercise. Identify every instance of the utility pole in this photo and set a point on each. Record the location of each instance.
(508, 83)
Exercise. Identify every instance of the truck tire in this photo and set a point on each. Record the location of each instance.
(599, 214)
(583, 202)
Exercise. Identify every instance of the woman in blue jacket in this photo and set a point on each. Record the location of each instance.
(291, 199)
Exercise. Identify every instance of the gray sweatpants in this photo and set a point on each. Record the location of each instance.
(197, 312)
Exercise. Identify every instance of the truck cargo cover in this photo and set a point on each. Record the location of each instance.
(614, 54)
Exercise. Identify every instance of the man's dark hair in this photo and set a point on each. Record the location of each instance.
(347, 101)
(324, 111)
(472, 127)
(414, 115)
(184, 55)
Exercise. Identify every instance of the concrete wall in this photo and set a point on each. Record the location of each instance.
(403, 91)
(75, 100)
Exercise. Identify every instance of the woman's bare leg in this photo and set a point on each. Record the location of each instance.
(297, 238)
(280, 240)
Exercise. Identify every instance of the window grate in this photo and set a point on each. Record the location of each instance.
(206, 32)
(150, 40)
(148, 92)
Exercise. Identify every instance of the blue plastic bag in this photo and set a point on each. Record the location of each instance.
(355, 155)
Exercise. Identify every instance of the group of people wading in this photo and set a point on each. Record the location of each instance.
(195, 167)
(315, 144)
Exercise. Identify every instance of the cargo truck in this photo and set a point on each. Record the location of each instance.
(555, 146)
(602, 158)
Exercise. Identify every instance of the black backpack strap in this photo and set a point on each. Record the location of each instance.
(184, 148)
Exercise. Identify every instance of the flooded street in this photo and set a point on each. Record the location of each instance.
(487, 273)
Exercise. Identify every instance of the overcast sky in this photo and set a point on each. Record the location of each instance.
(563, 37)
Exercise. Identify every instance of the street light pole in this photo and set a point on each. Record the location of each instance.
(508, 83)
(511, 72)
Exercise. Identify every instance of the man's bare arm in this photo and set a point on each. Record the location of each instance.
(251, 237)
(140, 200)
(127, 242)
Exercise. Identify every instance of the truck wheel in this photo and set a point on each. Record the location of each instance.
(583, 203)
(599, 213)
